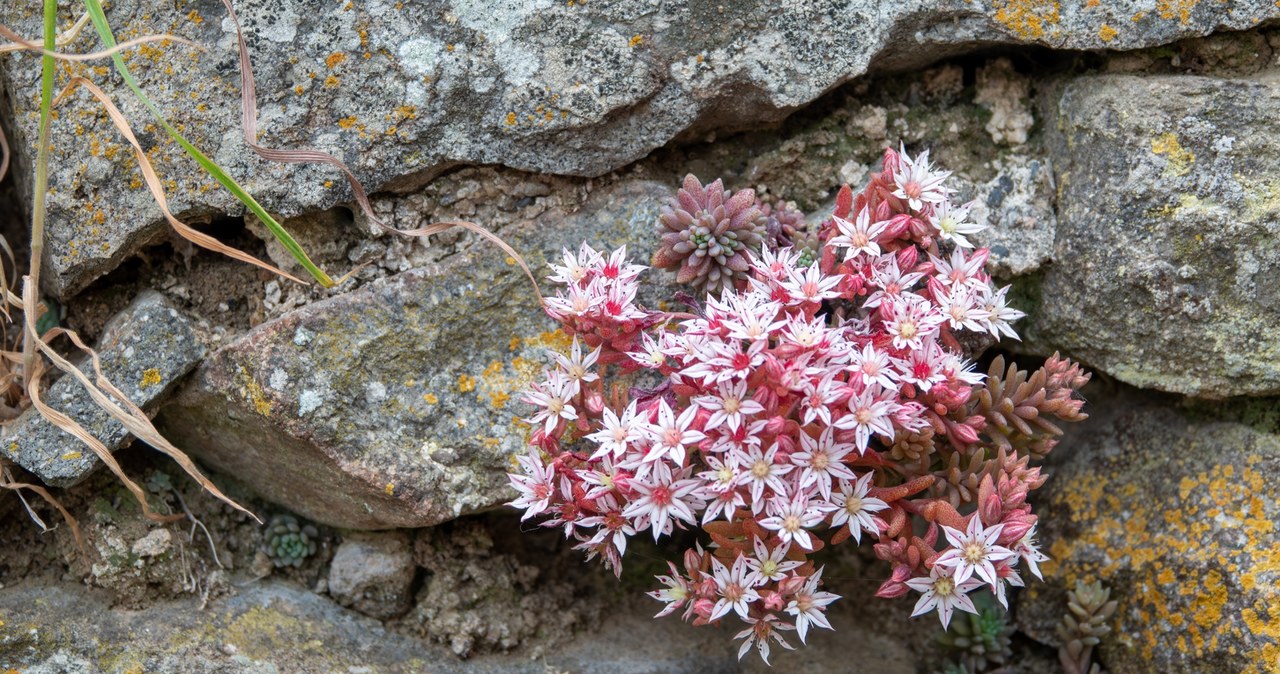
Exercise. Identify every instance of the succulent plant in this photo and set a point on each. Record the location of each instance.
(1082, 628)
(289, 543)
(708, 234)
(979, 640)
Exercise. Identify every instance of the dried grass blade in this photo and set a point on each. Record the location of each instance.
(69, 425)
(249, 124)
(99, 18)
(20, 43)
(436, 228)
(157, 189)
(138, 424)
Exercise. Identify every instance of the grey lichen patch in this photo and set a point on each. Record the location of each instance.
(144, 350)
(1168, 231)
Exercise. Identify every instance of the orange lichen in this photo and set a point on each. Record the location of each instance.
(1028, 19)
(1179, 9)
(334, 59)
(1161, 557)
(1107, 33)
(466, 383)
(347, 122)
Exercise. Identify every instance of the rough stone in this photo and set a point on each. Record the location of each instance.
(401, 92)
(144, 350)
(1168, 233)
(1176, 511)
(272, 627)
(396, 405)
(373, 574)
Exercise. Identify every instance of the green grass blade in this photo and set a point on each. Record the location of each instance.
(41, 181)
(99, 19)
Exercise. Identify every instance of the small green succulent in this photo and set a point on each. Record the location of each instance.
(289, 543)
(979, 640)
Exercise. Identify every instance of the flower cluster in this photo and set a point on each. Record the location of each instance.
(824, 394)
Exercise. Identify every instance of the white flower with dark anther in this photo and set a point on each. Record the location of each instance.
(661, 499)
(810, 285)
(675, 592)
(858, 236)
(672, 435)
(822, 460)
(792, 519)
(963, 308)
(961, 269)
(974, 552)
(890, 280)
(763, 630)
(616, 268)
(943, 593)
(923, 367)
(761, 470)
(870, 365)
(612, 525)
(997, 313)
(536, 486)
(950, 221)
(856, 509)
(552, 396)
(917, 182)
(870, 411)
(728, 405)
(576, 267)
(575, 367)
(619, 433)
(809, 605)
(735, 587)
(771, 565)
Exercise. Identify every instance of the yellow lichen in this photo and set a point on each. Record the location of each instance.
(252, 391)
(1179, 9)
(71, 456)
(1227, 497)
(390, 489)
(466, 383)
(430, 398)
(150, 377)
(1028, 19)
(334, 59)
(1180, 159)
(1107, 33)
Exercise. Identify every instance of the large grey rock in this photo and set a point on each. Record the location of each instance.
(1168, 233)
(1179, 514)
(402, 90)
(143, 350)
(397, 405)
